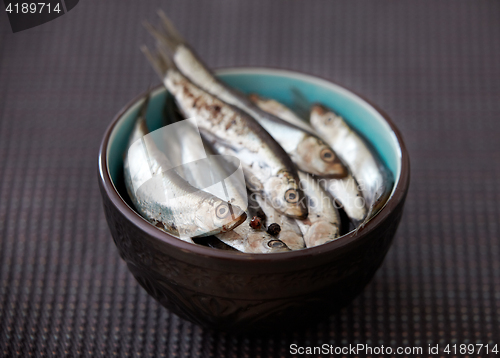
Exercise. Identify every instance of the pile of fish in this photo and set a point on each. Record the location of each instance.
(300, 178)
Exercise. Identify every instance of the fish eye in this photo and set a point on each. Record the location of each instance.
(291, 196)
(327, 155)
(222, 211)
(275, 244)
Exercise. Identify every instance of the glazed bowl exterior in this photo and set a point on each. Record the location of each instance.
(226, 290)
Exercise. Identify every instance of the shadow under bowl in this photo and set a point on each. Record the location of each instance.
(236, 291)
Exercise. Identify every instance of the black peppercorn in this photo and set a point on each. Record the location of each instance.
(273, 229)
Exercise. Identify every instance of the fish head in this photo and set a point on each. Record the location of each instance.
(316, 157)
(294, 240)
(319, 114)
(324, 120)
(263, 243)
(215, 216)
(320, 233)
(284, 194)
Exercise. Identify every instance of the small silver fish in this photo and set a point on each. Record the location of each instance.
(375, 181)
(323, 222)
(345, 190)
(166, 200)
(267, 168)
(309, 152)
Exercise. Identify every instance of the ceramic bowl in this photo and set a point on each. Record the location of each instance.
(226, 290)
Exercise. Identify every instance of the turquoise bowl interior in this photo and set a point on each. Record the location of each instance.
(280, 85)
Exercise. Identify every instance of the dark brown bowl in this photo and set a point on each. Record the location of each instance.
(227, 290)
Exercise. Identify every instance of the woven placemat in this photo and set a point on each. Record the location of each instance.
(432, 66)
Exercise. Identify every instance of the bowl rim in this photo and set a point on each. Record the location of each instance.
(398, 194)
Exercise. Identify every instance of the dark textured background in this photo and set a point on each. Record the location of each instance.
(433, 66)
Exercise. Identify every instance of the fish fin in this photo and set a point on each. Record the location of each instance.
(365, 220)
(171, 35)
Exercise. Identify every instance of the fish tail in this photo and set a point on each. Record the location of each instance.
(164, 42)
(155, 60)
(160, 60)
(171, 35)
